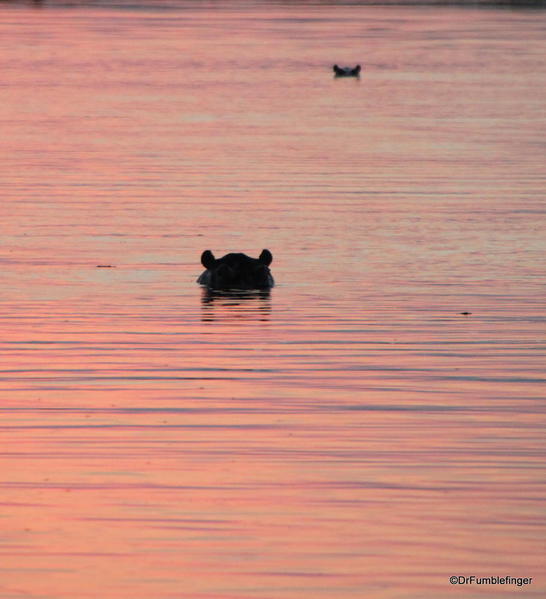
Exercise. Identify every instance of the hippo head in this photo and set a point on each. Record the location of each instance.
(236, 271)
(347, 71)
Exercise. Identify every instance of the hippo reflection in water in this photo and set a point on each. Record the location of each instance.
(236, 271)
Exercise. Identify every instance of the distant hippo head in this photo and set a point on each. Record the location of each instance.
(347, 71)
(236, 271)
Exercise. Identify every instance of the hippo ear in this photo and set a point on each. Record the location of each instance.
(207, 259)
(266, 257)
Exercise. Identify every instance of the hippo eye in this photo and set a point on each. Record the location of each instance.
(224, 270)
(260, 273)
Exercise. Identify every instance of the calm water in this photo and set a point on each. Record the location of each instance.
(351, 435)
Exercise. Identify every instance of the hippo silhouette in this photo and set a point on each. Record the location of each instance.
(347, 71)
(236, 271)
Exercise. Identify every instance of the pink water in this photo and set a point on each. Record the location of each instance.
(352, 434)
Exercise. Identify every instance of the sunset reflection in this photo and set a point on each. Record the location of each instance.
(227, 305)
(368, 428)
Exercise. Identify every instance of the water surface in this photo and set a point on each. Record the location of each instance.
(372, 426)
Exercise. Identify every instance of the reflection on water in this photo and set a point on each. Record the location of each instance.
(178, 4)
(245, 304)
(372, 426)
